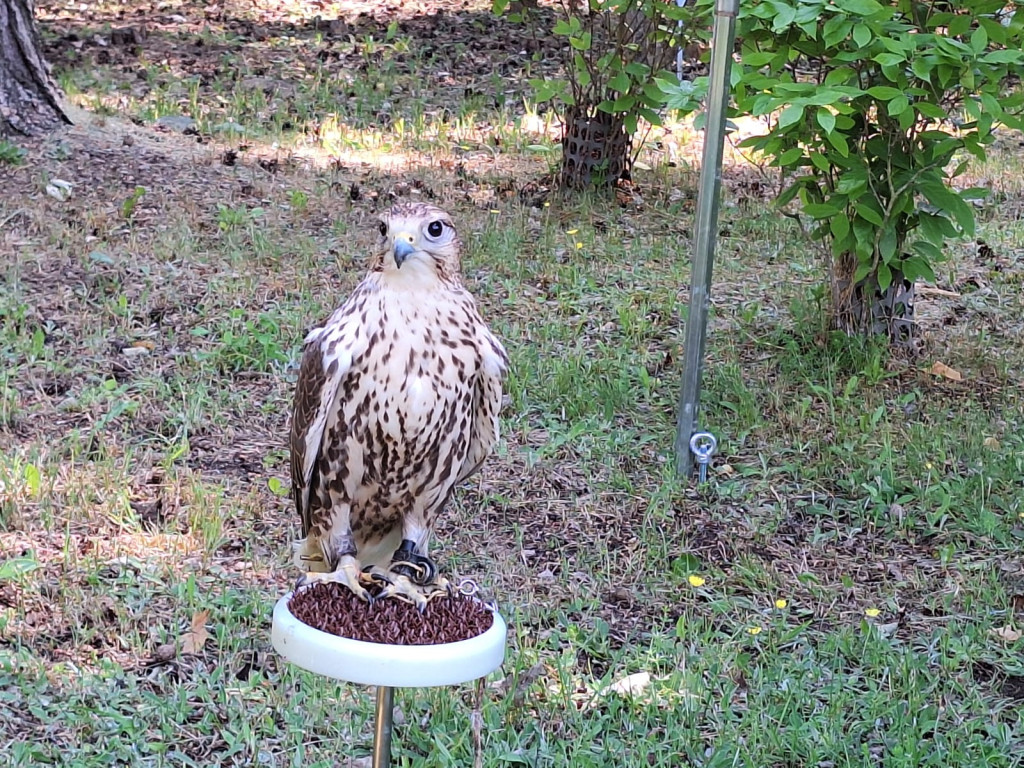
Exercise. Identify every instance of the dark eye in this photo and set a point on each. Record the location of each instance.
(435, 228)
(383, 229)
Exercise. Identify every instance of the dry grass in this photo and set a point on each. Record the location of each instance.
(148, 342)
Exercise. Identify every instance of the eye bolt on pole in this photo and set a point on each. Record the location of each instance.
(692, 447)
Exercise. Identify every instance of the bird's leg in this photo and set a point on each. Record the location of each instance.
(346, 570)
(418, 568)
(411, 577)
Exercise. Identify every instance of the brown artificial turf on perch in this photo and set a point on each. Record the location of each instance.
(333, 608)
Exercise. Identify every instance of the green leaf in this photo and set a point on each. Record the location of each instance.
(887, 243)
(889, 59)
(758, 59)
(884, 276)
(959, 25)
(581, 43)
(789, 193)
(951, 203)
(820, 210)
(862, 35)
(934, 111)
(623, 104)
(546, 90)
(927, 250)
(789, 157)
(918, 268)
(649, 115)
(17, 567)
(975, 193)
(861, 7)
(979, 40)
(840, 227)
(996, 31)
(826, 120)
(836, 30)
(33, 479)
(783, 16)
(885, 92)
(936, 228)
(991, 105)
(838, 141)
(686, 564)
(921, 66)
(898, 106)
(620, 82)
(819, 161)
(868, 212)
(863, 270)
(638, 70)
(791, 115)
(1002, 57)
(630, 122)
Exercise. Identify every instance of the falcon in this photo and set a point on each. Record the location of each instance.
(396, 402)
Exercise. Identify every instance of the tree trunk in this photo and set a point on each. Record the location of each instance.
(29, 102)
(595, 149)
(863, 308)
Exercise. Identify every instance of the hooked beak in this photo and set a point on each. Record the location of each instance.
(403, 249)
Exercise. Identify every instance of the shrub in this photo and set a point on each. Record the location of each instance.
(616, 75)
(871, 108)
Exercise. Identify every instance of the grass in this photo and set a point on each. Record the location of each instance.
(847, 590)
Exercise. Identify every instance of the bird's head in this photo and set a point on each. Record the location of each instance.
(419, 240)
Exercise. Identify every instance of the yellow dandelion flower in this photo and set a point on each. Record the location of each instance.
(753, 630)
(578, 246)
(547, 204)
(780, 603)
(571, 231)
(928, 465)
(695, 580)
(495, 210)
(872, 613)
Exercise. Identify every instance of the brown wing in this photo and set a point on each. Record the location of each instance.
(486, 404)
(305, 446)
(326, 360)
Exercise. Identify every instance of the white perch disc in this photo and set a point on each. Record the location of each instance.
(399, 666)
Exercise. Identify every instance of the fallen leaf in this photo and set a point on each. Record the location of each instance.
(192, 642)
(165, 652)
(526, 680)
(59, 189)
(619, 596)
(888, 630)
(630, 685)
(941, 369)
(1007, 634)
(992, 443)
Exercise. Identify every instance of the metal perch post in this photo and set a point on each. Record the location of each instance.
(383, 723)
(706, 231)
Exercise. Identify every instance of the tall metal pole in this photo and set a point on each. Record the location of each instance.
(706, 230)
(382, 726)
